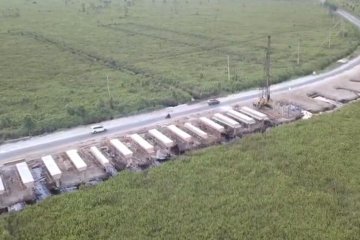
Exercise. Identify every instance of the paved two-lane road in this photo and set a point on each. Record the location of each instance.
(47, 143)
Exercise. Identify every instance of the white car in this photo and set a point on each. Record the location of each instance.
(97, 129)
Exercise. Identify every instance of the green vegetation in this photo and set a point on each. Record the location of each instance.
(55, 55)
(299, 181)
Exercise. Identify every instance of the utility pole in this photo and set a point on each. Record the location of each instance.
(298, 53)
(108, 86)
(267, 69)
(342, 28)
(228, 67)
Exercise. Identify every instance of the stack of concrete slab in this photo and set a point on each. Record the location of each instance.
(2, 187)
(254, 113)
(121, 148)
(241, 117)
(25, 175)
(145, 145)
(100, 157)
(164, 140)
(304, 101)
(52, 167)
(197, 131)
(180, 133)
(226, 121)
(339, 95)
(76, 160)
(211, 124)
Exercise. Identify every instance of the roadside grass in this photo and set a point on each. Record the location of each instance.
(299, 181)
(350, 5)
(55, 58)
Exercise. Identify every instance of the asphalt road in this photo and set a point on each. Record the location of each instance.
(16, 150)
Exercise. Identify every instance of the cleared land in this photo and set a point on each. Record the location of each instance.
(298, 181)
(55, 55)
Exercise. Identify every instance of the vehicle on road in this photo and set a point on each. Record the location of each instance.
(168, 116)
(97, 129)
(212, 102)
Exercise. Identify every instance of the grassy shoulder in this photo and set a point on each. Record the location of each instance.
(56, 55)
(350, 5)
(299, 181)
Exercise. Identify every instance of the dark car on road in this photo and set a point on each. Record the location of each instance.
(212, 102)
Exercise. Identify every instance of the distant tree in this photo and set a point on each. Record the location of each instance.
(331, 6)
(111, 103)
(81, 111)
(107, 3)
(5, 122)
(126, 10)
(70, 110)
(83, 9)
(29, 124)
(5, 235)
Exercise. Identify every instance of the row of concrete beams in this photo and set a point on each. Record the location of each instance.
(245, 115)
(25, 175)
(55, 172)
(241, 117)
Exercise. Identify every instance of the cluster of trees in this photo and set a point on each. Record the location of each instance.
(330, 5)
(78, 115)
(104, 4)
(351, 5)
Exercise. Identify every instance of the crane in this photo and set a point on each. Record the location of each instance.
(265, 98)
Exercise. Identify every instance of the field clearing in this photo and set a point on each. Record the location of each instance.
(298, 181)
(56, 55)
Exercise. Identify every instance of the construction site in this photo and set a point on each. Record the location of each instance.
(30, 180)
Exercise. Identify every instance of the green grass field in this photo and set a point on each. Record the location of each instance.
(299, 181)
(55, 55)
